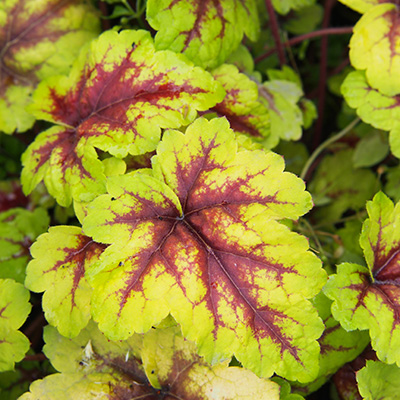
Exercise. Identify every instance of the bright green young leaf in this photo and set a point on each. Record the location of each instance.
(373, 107)
(37, 41)
(368, 297)
(158, 365)
(60, 259)
(206, 31)
(336, 186)
(118, 96)
(14, 309)
(241, 105)
(378, 380)
(18, 230)
(362, 6)
(375, 45)
(338, 347)
(281, 98)
(201, 238)
(284, 6)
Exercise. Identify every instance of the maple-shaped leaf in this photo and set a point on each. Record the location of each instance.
(378, 380)
(374, 47)
(201, 238)
(18, 230)
(206, 31)
(338, 347)
(60, 259)
(14, 309)
(284, 6)
(158, 365)
(374, 107)
(337, 186)
(242, 107)
(37, 41)
(118, 96)
(368, 297)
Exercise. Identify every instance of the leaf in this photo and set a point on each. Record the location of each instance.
(241, 105)
(60, 259)
(18, 230)
(201, 238)
(284, 6)
(93, 366)
(362, 6)
(304, 20)
(206, 31)
(371, 149)
(14, 309)
(373, 47)
(37, 42)
(337, 186)
(373, 107)
(392, 187)
(116, 99)
(367, 297)
(379, 381)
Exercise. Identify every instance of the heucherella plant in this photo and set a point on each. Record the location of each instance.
(196, 203)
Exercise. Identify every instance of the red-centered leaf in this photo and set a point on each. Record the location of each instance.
(119, 95)
(37, 40)
(201, 238)
(60, 260)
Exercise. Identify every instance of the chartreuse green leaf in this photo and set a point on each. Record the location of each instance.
(337, 186)
(60, 259)
(242, 107)
(374, 107)
(157, 365)
(378, 380)
(337, 346)
(374, 47)
(37, 42)
(361, 6)
(18, 230)
(206, 31)
(14, 309)
(200, 238)
(368, 297)
(118, 96)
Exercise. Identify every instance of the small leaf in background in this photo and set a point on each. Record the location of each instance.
(337, 187)
(304, 20)
(118, 96)
(159, 364)
(201, 238)
(371, 149)
(284, 6)
(14, 309)
(242, 107)
(374, 47)
(295, 155)
(378, 380)
(37, 42)
(367, 297)
(206, 31)
(18, 230)
(392, 186)
(60, 260)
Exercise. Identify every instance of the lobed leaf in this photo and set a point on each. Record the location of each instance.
(18, 230)
(118, 96)
(60, 260)
(37, 42)
(367, 297)
(14, 309)
(206, 31)
(161, 364)
(201, 238)
(374, 47)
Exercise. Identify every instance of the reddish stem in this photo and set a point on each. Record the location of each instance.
(35, 357)
(275, 32)
(323, 66)
(105, 23)
(310, 35)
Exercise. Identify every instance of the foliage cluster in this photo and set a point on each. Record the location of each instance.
(179, 218)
